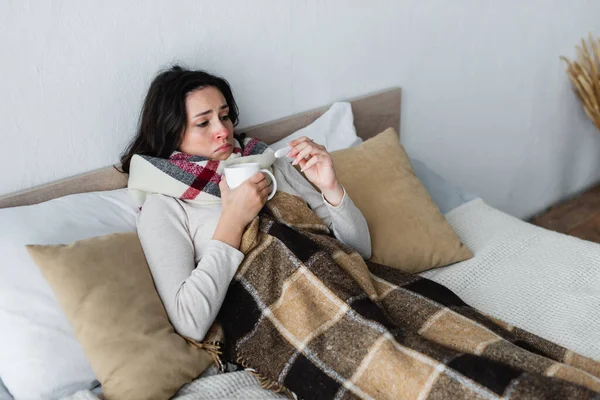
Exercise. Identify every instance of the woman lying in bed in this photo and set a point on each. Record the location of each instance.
(298, 305)
(193, 249)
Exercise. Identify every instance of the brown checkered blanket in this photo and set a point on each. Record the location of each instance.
(310, 316)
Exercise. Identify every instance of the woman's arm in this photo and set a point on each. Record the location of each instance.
(192, 294)
(345, 220)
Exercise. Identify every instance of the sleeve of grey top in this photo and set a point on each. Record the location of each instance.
(192, 294)
(346, 220)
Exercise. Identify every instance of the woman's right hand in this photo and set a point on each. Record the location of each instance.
(242, 204)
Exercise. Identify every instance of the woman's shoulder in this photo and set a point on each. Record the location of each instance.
(159, 207)
(154, 200)
(161, 221)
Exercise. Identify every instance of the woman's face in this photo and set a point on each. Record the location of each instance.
(209, 131)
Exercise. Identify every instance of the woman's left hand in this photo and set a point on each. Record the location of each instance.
(317, 165)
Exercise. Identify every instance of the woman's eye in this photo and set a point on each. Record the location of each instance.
(225, 117)
(203, 124)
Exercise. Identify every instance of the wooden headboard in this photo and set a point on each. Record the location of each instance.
(373, 114)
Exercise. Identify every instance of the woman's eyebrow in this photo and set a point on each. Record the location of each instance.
(209, 111)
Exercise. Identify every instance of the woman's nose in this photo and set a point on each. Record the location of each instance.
(221, 131)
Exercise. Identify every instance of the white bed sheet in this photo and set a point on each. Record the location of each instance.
(538, 280)
(232, 385)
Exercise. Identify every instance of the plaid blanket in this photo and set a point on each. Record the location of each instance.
(308, 315)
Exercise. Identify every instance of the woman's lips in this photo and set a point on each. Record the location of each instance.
(223, 148)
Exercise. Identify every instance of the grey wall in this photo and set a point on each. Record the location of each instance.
(487, 102)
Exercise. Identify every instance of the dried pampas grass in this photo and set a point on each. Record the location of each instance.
(585, 75)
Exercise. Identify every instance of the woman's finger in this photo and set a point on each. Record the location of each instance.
(265, 192)
(262, 184)
(297, 149)
(257, 177)
(299, 140)
(319, 146)
(223, 184)
(308, 164)
(305, 152)
(302, 145)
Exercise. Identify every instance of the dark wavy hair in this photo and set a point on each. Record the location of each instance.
(163, 119)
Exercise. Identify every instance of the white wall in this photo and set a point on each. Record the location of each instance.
(486, 100)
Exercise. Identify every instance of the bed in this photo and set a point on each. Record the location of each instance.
(532, 278)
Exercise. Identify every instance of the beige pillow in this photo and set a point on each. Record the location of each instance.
(105, 288)
(407, 229)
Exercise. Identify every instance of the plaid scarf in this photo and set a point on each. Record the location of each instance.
(307, 314)
(191, 178)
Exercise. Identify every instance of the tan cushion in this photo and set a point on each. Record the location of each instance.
(407, 229)
(105, 288)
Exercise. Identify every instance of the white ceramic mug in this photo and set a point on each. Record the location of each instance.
(236, 174)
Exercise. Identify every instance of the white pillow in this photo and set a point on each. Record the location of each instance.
(39, 355)
(334, 129)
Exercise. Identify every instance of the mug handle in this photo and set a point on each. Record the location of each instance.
(273, 181)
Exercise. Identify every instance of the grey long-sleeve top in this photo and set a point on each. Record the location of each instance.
(192, 271)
